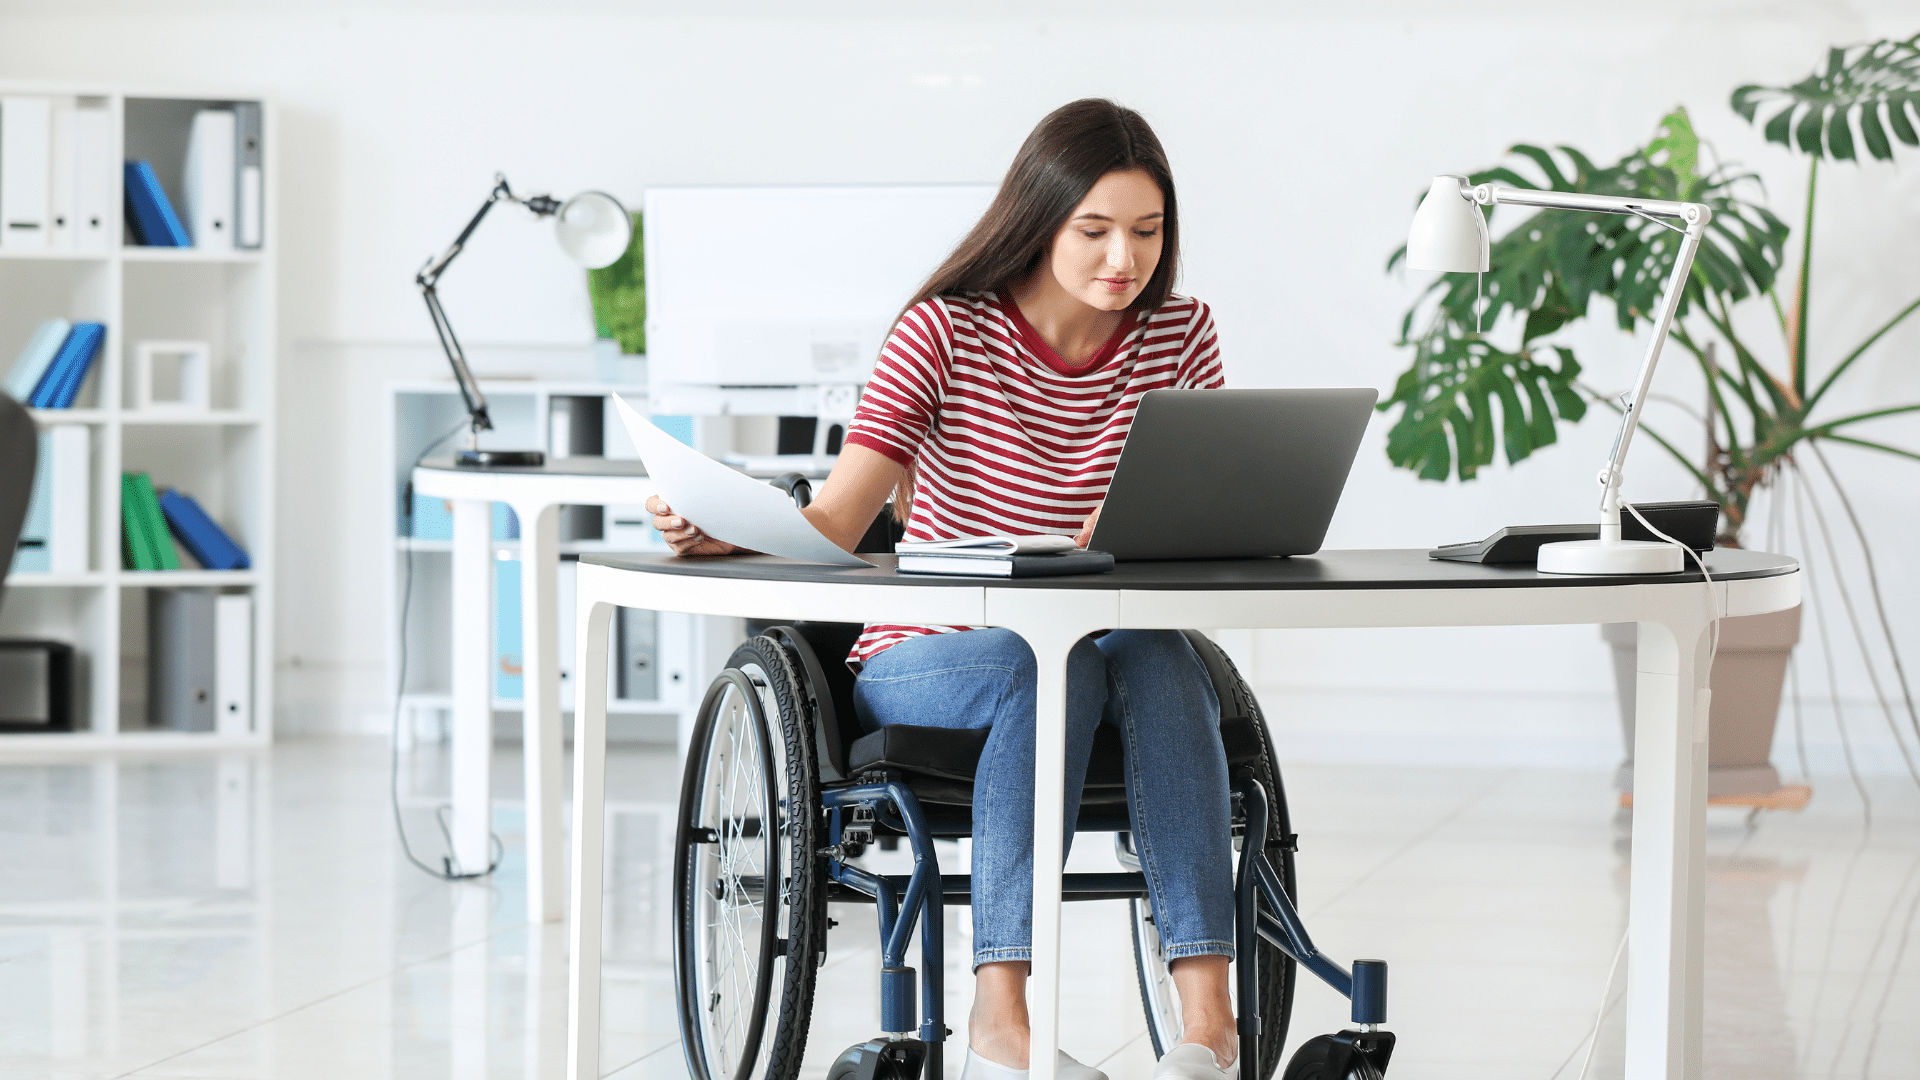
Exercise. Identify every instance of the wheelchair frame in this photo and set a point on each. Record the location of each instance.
(904, 899)
(849, 813)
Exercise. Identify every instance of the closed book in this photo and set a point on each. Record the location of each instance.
(68, 372)
(150, 212)
(26, 173)
(204, 539)
(70, 498)
(34, 360)
(208, 179)
(1007, 566)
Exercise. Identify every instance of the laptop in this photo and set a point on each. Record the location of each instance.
(1231, 474)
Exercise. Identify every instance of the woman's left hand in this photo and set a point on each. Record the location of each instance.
(1085, 535)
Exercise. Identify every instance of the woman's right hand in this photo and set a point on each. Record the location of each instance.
(683, 536)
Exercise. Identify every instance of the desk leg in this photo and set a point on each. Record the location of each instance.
(589, 827)
(1666, 910)
(472, 826)
(540, 647)
(1049, 809)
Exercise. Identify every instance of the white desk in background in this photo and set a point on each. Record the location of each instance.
(1332, 589)
(536, 495)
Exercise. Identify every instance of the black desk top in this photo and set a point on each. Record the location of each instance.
(1390, 568)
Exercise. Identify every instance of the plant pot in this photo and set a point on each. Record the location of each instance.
(1748, 673)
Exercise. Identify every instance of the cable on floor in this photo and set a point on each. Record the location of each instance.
(446, 872)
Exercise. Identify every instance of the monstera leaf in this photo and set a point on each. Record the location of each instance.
(1875, 86)
(1546, 272)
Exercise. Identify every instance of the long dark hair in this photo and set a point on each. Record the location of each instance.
(1067, 153)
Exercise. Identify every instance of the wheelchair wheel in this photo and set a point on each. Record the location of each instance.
(1158, 997)
(749, 887)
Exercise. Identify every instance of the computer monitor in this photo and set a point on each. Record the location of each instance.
(774, 301)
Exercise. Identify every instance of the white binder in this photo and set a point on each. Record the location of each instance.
(233, 664)
(249, 183)
(97, 176)
(209, 178)
(70, 494)
(26, 136)
(63, 197)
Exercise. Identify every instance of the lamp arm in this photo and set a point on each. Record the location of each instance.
(1612, 473)
(428, 280)
(1489, 195)
(1695, 216)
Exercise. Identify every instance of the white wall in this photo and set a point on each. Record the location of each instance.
(1300, 134)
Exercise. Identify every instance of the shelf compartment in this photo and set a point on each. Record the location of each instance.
(217, 465)
(73, 289)
(219, 302)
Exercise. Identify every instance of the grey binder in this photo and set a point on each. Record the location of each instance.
(249, 180)
(180, 659)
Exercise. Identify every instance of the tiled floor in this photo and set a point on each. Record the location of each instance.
(247, 916)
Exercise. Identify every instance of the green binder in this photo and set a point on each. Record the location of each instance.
(137, 552)
(156, 524)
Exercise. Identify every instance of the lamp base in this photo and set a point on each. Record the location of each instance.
(1610, 557)
(498, 459)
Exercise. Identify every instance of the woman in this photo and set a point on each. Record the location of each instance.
(999, 405)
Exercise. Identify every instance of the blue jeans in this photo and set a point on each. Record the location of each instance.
(1150, 685)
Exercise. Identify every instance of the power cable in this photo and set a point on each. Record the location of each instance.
(446, 872)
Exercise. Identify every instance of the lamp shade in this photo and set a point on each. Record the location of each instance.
(1449, 233)
(593, 229)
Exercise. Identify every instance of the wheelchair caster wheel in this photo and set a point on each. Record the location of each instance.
(1347, 1055)
(881, 1059)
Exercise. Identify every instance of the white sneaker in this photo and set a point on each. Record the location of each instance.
(1064, 1068)
(1192, 1061)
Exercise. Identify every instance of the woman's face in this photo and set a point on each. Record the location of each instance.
(1107, 250)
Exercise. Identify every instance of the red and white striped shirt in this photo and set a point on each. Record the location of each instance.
(1008, 437)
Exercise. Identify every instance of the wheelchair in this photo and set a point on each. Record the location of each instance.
(782, 791)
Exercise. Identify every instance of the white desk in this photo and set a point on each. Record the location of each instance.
(1332, 589)
(536, 494)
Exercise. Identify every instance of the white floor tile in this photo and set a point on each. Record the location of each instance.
(143, 933)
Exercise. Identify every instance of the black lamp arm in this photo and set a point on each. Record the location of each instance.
(428, 280)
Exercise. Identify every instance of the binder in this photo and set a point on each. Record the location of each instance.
(205, 540)
(209, 178)
(30, 554)
(136, 550)
(249, 182)
(508, 674)
(64, 193)
(148, 210)
(61, 384)
(26, 137)
(70, 495)
(181, 679)
(95, 190)
(36, 358)
(233, 664)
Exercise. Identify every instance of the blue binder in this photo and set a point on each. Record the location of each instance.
(61, 384)
(207, 542)
(148, 211)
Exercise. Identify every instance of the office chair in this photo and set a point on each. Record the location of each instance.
(19, 454)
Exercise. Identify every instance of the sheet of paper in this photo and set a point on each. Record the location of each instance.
(725, 504)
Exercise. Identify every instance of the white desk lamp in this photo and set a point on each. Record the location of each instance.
(1449, 235)
(592, 228)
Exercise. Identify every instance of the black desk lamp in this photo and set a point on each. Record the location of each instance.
(592, 228)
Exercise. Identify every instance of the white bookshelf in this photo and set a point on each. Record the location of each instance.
(223, 457)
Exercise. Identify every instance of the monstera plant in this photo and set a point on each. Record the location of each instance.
(1490, 371)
